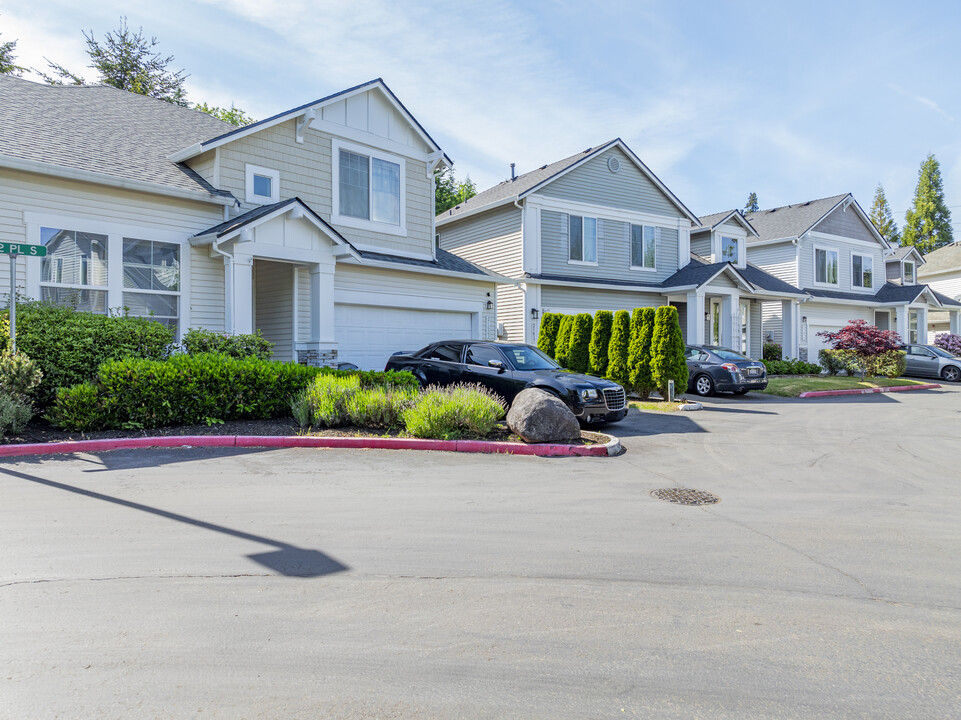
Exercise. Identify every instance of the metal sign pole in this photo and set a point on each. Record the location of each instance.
(13, 303)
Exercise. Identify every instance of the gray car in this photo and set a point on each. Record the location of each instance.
(931, 361)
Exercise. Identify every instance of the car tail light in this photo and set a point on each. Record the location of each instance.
(731, 367)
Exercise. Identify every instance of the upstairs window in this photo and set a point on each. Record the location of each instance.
(263, 185)
(862, 266)
(729, 250)
(909, 273)
(643, 246)
(826, 266)
(369, 188)
(582, 239)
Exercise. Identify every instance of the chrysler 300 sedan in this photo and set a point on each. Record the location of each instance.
(508, 368)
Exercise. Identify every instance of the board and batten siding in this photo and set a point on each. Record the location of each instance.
(845, 251)
(628, 188)
(558, 298)
(846, 223)
(492, 240)
(779, 260)
(273, 306)
(613, 251)
(306, 172)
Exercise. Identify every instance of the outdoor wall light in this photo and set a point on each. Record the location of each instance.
(534, 314)
(490, 304)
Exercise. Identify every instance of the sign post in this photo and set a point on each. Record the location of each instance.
(14, 250)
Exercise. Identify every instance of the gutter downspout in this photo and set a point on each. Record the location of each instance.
(228, 286)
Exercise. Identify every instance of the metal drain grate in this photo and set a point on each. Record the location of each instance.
(685, 496)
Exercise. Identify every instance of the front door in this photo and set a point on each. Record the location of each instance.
(745, 327)
(712, 322)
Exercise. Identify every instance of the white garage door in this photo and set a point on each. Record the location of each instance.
(368, 335)
(816, 343)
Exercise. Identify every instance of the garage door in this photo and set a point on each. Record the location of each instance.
(816, 343)
(368, 335)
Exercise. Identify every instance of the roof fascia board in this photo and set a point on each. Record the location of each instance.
(68, 173)
(827, 237)
(737, 276)
(446, 219)
(498, 279)
(607, 212)
(929, 273)
(740, 218)
(775, 241)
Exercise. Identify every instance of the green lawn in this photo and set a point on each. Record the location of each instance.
(654, 405)
(792, 387)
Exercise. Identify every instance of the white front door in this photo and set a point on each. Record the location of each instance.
(745, 328)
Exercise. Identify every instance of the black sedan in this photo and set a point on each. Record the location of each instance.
(715, 369)
(508, 368)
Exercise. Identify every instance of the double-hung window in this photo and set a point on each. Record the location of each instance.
(729, 250)
(826, 266)
(74, 271)
(370, 189)
(643, 246)
(909, 273)
(582, 239)
(862, 266)
(151, 280)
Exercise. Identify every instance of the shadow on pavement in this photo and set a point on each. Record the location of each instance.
(639, 423)
(287, 559)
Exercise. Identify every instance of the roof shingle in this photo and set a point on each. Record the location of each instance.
(791, 221)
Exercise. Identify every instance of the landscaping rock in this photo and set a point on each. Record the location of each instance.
(538, 416)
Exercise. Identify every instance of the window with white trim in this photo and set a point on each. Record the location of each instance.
(369, 187)
(862, 267)
(826, 266)
(74, 271)
(262, 185)
(643, 247)
(909, 273)
(729, 250)
(151, 280)
(582, 239)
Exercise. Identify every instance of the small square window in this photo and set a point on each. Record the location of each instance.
(262, 185)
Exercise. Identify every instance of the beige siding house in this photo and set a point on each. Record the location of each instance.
(314, 226)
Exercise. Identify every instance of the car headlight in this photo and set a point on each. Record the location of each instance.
(589, 394)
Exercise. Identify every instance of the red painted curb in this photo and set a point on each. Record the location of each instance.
(867, 391)
(379, 443)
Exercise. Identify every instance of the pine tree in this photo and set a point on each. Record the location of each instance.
(667, 355)
(751, 204)
(600, 341)
(562, 347)
(617, 367)
(579, 354)
(927, 224)
(546, 339)
(639, 354)
(8, 61)
(882, 218)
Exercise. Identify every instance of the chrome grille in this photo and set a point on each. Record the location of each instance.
(614, 397)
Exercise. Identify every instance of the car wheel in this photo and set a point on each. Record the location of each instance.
(951, 374)
(703, 385)
(742, 391)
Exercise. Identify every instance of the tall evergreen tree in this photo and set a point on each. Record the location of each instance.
(617, 367)
(667, 353)
(927, 223)
(751, 204)
(579, 352)
(562, 345)
(639, 352)
(8, 61)
(546, 339)
(600, 341)
(882, 218)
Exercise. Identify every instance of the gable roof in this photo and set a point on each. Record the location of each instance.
(529, 182)
(186, 152)
(101, 132)
(942, 259)
(889, 293)
(902, 252)
(709, 222)
(791, 221)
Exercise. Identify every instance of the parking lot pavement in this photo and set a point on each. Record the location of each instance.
(377, 584)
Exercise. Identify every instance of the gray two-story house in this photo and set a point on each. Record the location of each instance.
(599, 230)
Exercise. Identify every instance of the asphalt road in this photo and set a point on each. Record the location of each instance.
(385, 584)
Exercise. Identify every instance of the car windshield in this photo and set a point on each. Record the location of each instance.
(728, 354)
(528, 358)
(940, 352)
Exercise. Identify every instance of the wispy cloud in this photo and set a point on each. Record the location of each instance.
(921, 100)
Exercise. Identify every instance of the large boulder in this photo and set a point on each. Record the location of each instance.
(539, 416)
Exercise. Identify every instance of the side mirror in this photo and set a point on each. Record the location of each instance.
(496, 364)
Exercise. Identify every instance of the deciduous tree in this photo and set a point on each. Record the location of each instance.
(448, 192)
(232, 115)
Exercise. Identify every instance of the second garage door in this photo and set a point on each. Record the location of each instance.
(367, 335)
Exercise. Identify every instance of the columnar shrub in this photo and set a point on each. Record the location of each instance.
(772, 352)
(618, 369)
(639, 351)
(547, 338)
(579, 354)
(196, 341)
(562, 347)
(667, 355)
(949, 342)
(453, 411)
(600, 341)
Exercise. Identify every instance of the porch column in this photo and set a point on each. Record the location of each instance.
(728, 305)
(695, 318)
(923, 325)
(242, 291)
(790, 329)
(901, 322)
(954, 322)
(321, 303)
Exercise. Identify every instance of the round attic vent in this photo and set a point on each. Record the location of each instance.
(613, 164)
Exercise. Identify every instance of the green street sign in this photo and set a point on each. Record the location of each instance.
(9, 248)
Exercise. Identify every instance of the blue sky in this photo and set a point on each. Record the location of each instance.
(794, 101)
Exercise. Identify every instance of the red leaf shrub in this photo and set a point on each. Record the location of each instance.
(866, 340)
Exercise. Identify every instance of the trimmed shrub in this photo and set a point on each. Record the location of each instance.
(547, 338)
(891, 364)
(562, 346)
(600, 341)
(949, 342)
(78, 408)
(451, 412)
(772, 352)
(835, 361)
(327, 398)
(197, 341)
(617, 368)
(639, 351)
(667, 355)
(791, 367)
(379, 407)
(15, 413)
(69, 345)
(19, 376)
(579, 355)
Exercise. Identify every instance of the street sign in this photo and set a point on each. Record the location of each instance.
(9, 248)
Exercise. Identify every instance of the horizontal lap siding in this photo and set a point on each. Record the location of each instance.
(771, 322)
(492, 240)
(778, 260)
(559, 299)
(204, 165)
(510, 312)
(701, 244)
(892, 271)
(207, 297)
(273, 307)
(951, 288)
(845, 252)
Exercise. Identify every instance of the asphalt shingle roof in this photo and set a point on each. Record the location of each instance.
(900, 252)
(944, 258)
(888, 293)
(791, 221)
(445, 261)
(251, 215)
(103, 130)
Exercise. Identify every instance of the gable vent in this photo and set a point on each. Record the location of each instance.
(613, 164)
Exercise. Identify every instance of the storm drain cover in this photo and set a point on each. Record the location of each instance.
(685, 496)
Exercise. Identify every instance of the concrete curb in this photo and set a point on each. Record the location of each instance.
(867, 391)
(612, 447)
(690, 407)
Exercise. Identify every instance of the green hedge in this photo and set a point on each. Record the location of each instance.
(547, 338)
(618, 369)
(562, 347)
(600, 341)
(196, 342)
(639, 351)
(69, 345)
(579, 354)
(791, 367)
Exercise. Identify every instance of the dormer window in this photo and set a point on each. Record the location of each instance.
(368, 189)
(729, 250)
(909, 273)
(263, 185)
